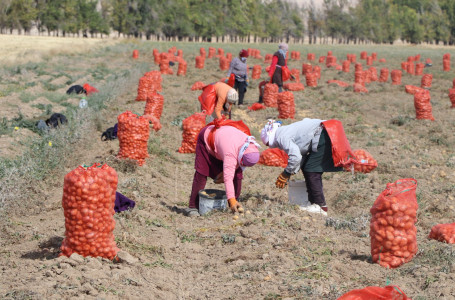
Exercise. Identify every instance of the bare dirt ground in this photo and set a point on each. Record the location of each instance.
(277, 251)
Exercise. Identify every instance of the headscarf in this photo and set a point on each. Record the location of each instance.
(252, 157)
(243, 53)
(269, 131)
(283, 49)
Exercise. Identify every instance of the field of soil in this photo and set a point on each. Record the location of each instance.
(277, 251)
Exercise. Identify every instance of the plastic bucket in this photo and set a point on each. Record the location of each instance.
(297, 193)
(211, 199)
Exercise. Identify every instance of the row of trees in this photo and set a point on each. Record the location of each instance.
(379, 21)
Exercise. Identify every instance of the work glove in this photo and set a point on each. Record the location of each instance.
(282, 180)
(219, 178)
(234, 205)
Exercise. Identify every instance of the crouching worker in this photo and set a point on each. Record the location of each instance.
(309, 146)
(222, 153)
(217, 99)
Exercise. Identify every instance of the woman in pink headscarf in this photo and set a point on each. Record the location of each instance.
(222, 154)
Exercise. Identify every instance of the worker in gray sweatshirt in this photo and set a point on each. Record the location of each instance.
(309, 148)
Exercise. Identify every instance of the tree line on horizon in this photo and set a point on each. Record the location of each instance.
(377, 21)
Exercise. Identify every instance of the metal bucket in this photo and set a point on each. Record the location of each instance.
(211, 199)
(297, 193)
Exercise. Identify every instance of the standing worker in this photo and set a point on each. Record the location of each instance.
(222, 154)
(239, 68)
(279, 62)
(309, 147)
(217, 99)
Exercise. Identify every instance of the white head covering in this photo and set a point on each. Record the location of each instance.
(232, 96)
(268, 132)
(283, 46)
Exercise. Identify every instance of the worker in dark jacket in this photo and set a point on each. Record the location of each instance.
(238, 67)
(278, 62)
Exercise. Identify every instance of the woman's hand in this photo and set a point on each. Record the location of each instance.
(219, 178)
(282, 180)
(234, 205)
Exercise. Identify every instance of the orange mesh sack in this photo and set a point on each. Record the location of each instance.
(446, 65)
(373, 74)
(317, 70)
(338, 82)
(311, 56)
(133, 135)
(181, 71)
(191, 128)
(148, 83)
(154, 105)
(358, 88)
(286, 106)
(412, 89)
(156, 57)
(164, 64)
(202, 52)
(423, 106)
(311, 79)
(452, 97)
(224, 63)
(256, 106)
(88, 205)
(419, 69)
(155, 79)
(200, 62)
(296, 75)
(273, 157)
(256, 72)
(212, 52)
(443, 233)
(363, 55)
(384, 76)
(198, 85)
(426, 81)
(270, 95)
(306, 68)
(363, 162)
(345, 66)
(392, 225)
(358, 67)
(396, 77)
(359, 78)
(154, 121)
(294, 86)
(135, 53)
(389, 292)
(268, 58)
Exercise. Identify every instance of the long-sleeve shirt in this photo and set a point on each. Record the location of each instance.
(221, 90)
(228, 141)
(297, 139)
(239, 69)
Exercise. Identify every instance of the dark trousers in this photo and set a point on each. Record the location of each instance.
(313, 181)
(208, 166)
(240, 86)
(199, 182)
